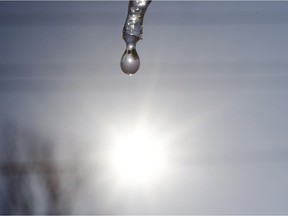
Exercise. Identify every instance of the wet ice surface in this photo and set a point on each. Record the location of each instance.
(132, 33)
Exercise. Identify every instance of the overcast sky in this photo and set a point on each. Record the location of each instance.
(215, 73)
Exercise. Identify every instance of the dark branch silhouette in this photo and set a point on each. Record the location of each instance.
(31, 177)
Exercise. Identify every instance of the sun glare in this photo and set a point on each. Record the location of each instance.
(137, 157)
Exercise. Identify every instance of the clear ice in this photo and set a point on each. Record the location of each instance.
(132, 33)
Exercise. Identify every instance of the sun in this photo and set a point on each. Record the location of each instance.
(137, 156)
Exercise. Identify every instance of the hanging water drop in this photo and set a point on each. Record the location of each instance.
(130, 61)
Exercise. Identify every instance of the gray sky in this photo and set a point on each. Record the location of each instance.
(212, 73)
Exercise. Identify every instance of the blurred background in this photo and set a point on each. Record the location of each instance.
(212, 83)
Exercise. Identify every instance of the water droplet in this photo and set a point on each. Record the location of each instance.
(130, 61)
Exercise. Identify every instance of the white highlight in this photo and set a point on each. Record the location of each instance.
(137, 158)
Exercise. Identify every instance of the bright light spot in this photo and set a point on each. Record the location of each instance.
(137, 157)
